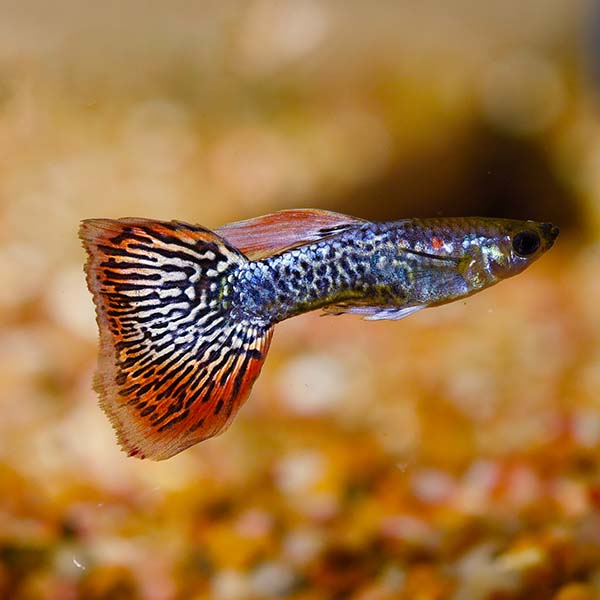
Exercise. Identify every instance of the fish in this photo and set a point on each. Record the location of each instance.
(186, 314)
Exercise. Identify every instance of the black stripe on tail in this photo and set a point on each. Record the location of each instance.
(174, 365)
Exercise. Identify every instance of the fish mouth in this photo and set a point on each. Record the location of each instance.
(550, 232)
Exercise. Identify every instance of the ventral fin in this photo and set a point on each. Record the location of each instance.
(374, 313)
(283, 230)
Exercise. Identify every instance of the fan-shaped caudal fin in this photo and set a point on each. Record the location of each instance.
(174, 365)
(270, 234)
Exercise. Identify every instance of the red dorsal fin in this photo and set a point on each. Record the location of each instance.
(270, 234)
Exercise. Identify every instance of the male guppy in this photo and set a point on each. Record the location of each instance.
(186, 314)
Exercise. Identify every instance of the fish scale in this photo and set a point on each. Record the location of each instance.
(340, 269)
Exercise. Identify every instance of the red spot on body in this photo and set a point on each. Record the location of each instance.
(437, 243)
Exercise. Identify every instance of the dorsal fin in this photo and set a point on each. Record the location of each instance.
(273, 233)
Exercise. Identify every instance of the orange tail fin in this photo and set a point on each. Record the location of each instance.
(174, 365)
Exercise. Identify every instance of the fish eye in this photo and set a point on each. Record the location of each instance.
(526, 243)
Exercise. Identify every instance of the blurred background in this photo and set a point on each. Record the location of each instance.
(453, 455)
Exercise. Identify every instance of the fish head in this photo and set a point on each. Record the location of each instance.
(455, 257)
(503, 248)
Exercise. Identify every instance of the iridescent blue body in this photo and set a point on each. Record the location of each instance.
(373, 266)
(186, 314)
(353, 267)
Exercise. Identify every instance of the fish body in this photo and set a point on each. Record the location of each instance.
(379, 268)
(186, 314)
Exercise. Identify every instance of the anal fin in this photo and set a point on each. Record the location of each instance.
(374, 313)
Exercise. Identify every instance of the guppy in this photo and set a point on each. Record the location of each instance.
(186, 314)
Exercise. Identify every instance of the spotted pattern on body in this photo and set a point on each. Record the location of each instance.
(348, 269)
